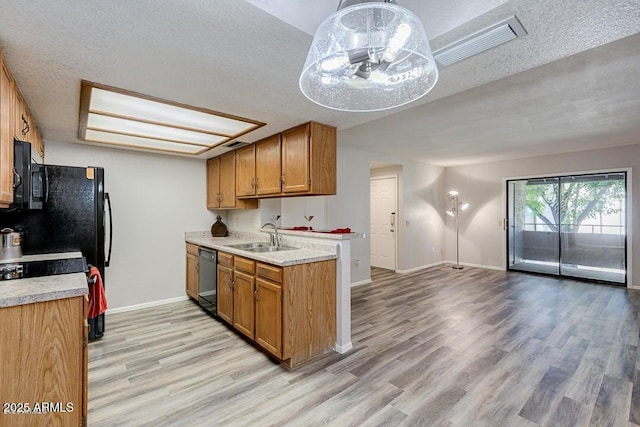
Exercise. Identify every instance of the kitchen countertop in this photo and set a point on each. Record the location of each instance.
(281, 258)
(318, 234)
(39, 289)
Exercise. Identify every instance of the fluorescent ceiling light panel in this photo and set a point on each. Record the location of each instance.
(117, 117)
(134, 128)
(481, 41)
(127, 141)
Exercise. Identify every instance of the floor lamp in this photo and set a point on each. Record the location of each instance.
(455, 212)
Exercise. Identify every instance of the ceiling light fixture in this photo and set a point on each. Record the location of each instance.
(369, 55)
(127, 119)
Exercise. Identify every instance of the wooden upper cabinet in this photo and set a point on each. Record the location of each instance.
(295, 160)
(213, 183)
(309, 159)
(221, 184)
(298, 162)
(268, 166)
(6, 134)
(12, 110)
(246, 171)
(228, 180)
(19, 128)
(24, 127)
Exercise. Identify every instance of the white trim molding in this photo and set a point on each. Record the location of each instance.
(145, 305)
(422, 267)
(342, 349)
(360, 283)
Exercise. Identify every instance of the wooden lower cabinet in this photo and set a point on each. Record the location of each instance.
(193, 271)
(269, 316)
(225, 293)
(43, 349)
(243, 305)
(288, 311)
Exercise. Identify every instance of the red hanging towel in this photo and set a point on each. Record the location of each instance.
(97, 298)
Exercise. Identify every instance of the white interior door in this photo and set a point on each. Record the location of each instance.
(383, 222)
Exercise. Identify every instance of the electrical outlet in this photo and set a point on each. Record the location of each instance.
(433, 249)
(237, 221)
(356, 262)
(407, 222)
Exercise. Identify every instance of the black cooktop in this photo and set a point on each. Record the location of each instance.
(27, 269)
(52, 267)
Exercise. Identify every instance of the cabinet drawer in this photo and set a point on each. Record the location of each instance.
(269, 272)
(193, 249)
(225, 259)
(244, 264)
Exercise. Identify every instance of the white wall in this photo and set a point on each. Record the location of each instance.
(482, 240)
(421, 242)
(155, 199)
(420, 194)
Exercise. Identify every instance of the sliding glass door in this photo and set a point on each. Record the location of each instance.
(572, 226)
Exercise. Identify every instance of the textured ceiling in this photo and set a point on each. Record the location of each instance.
(438, 17)
(554, 90)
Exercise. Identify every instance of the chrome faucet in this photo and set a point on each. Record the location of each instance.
(273, 240)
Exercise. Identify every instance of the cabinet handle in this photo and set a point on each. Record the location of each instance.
(255, 182)
(282, 179)
(255, 294)
(17, 179)
(26, 128)
(232, 284)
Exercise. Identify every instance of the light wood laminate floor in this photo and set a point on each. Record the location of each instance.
(440, 347)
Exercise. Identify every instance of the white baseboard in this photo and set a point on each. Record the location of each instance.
(635, 287)
(145, 305)
(468, 264)
(342, 349)
(422, 267)
(360, 283)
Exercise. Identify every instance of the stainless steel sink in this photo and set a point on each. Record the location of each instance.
(246, 246)
(260, 247)
(271, 249)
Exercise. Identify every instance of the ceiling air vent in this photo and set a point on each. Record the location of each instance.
(483, 40)
(236, 144)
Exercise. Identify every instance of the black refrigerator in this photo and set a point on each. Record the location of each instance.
(72, 218)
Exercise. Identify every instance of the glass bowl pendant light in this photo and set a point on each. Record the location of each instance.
(368, 56)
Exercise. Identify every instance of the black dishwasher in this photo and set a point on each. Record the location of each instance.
(208, 279)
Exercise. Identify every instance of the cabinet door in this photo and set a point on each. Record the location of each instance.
(225, 293)
(21, 126)
(228, 180)
(6, 135)
(38, 144)
(213, 183)
(193, 273)
(42, 353)
(246, 171)
(295, 160)
(268, 165)
(269, 316)
(244, 304)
